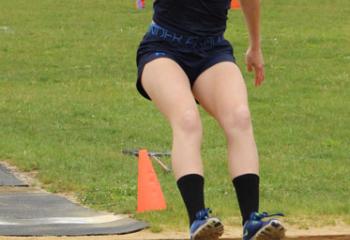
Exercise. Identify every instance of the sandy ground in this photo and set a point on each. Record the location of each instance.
(325, 233)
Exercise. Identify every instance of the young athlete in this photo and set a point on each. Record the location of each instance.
(184, 59)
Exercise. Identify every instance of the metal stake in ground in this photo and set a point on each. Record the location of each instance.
(154, 155)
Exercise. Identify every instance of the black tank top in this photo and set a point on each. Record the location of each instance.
(192, 17)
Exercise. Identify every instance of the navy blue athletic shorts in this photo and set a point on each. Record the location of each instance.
(193, 54)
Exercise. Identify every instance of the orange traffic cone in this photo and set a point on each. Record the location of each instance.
(149, 192)
(235, 4)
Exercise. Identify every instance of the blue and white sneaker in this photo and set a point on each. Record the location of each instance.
(206, 227)
(257, 229)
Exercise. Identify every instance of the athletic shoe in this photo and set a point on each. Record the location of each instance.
(257, 229)
(206, 227)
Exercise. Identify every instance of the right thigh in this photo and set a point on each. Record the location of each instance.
(169, 88)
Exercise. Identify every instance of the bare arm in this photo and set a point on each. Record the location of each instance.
(254, 57)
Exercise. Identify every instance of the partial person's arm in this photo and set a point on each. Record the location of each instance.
(254, 56)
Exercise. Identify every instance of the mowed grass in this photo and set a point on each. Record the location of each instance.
(68, 107)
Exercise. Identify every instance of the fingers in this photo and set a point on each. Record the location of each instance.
(259, 75)
(255, 61)
(249, 67)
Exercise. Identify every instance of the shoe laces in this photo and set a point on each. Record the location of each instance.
(258, 216)
(203, 214)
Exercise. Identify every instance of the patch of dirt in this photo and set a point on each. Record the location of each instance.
(34, 184)
(327, 233)
(27, 178)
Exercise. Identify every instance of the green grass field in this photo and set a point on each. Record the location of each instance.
(68, 106)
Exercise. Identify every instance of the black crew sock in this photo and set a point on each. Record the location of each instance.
(247, 191)
(192, 191)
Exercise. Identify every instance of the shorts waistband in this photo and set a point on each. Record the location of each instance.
(188, 41)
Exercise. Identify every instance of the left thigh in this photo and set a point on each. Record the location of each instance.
(221, 89)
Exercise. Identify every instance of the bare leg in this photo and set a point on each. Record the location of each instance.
(170, 90)
(222, 92)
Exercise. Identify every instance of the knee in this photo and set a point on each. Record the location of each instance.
(188, 122)
(237, 119)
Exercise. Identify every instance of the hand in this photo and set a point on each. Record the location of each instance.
(255, 61)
